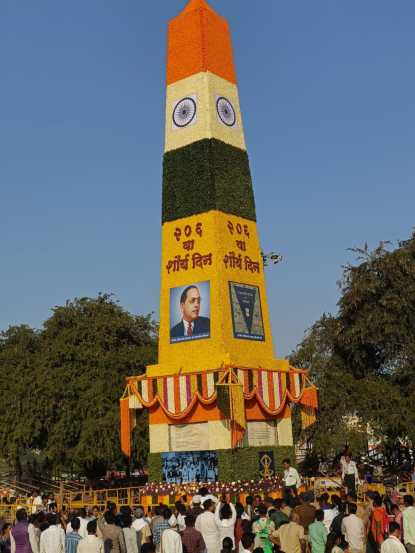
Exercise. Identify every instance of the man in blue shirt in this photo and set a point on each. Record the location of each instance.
(73, 538)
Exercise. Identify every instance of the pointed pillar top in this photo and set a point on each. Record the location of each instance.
(197, 5)
(199, 40)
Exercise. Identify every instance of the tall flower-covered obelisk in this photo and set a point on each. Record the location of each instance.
(217, 386)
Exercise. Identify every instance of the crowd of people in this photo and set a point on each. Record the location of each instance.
(296, 524)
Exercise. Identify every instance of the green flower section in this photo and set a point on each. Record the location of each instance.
(206, 175)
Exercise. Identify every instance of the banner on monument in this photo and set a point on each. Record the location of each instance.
(246, 312)
(190, 312)
(191, 466)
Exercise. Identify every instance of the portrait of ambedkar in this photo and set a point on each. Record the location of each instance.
(192, 324)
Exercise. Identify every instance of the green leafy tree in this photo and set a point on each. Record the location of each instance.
(88, 348)
(21, 429)
(363, 358)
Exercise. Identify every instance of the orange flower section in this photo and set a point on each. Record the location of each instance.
(125, 424)
(199, 40)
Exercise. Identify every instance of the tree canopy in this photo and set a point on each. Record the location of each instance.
(363, 357)
(62, 385)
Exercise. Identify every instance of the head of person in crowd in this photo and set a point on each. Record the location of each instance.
(166, 513)
(180, 508)
(334, 538)
(394, 529)
(249, 500)
(125, 510)
(408, 501)
(248, 541)
(95, 511)
(53, 508)
(324, 500)
(148, 548)
(262, 510)
(21, 515)
(203, 492)
(209, 505)
(286, 463)
(83, 513)
(319, 516)
(139, 512)
(351, 498)
(257, 500)
(227, 545)
(336, 500)
(277, 504)
(109, 517)
(5, 531)
(377, 501)
(225, 511)
(112, 507)
(75, 524)
(91, 527)
(52, 519)
(127, 520)
(190, 521)
(268, 502)
(352, 508)
(157, 511)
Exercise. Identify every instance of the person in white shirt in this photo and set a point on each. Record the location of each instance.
(291, 481)
(225, 517)
(353, 529)
(350, 475)
(91, 544)
(206, 525)
(393, 544)
(171, 542)
(408, 517)
(52, 540)
(83, 520)
(142, 527)
(37, 504)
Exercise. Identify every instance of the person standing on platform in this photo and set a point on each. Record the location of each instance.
(408, 517)
(206, 525)
(291, 481)
(350, 475)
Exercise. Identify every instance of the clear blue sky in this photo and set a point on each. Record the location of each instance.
(327, 90)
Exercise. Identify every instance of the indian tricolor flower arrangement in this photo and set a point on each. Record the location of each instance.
(217, 385)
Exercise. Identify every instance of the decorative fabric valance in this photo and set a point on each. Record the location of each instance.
(178, 394)
(229, 387)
